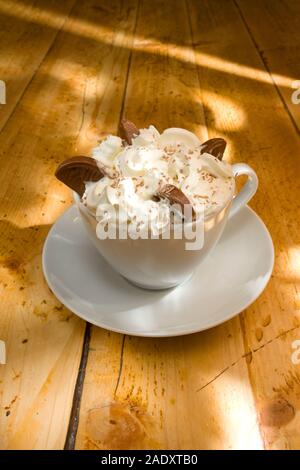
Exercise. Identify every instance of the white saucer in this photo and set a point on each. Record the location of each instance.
(229, 280)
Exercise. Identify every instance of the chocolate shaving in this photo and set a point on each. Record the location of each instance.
(128, 130)
(215, 147)
(75, 171)
(175, 196)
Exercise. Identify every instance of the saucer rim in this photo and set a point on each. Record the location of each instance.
(151, 334)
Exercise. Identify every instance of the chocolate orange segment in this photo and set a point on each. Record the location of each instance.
(175, 196)
(215, 147)
(76, 171)
(128, 130)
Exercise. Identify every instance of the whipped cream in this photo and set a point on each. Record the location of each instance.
(135, 173)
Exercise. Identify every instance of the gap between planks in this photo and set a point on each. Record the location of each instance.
(295, 126)
(75, 411)
(129, 66)
(74, 415)
(265, 64)
(34, 72)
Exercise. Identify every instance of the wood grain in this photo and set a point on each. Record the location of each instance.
(274, 28)
(162, 89)
(21, 30)
(73, 100)
(268, 141)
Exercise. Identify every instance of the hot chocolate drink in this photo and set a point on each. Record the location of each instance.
(150, 184)
(142, 180)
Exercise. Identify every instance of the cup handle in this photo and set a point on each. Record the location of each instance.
(247, 191)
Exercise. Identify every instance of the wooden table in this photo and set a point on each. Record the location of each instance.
(72, 69)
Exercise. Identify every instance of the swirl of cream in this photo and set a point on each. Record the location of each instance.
(135, 161)
(94, 192)
(131, 162)
(179, 166)
(215, 167)
(106, 152)
(123, 204)
(176, 135)
(146, 137)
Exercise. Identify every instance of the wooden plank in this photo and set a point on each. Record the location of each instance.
(178, 393)
(167, 92)
(74, 98)
(275, 23)
(182, 393)
(25, 39)
(274, 27)
(267, 140)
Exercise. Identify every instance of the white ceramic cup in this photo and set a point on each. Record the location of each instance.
(164, 263)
